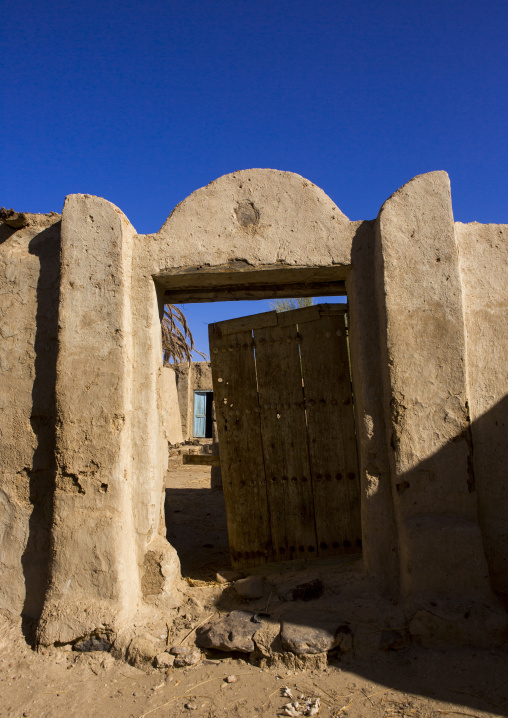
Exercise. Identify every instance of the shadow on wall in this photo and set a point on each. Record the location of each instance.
(439, 520)
(41, 475)
(490, 432)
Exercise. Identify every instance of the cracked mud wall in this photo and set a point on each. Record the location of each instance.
(379, 534)
(483, 252)
(426, 400)
(93, 568)
(29, 290)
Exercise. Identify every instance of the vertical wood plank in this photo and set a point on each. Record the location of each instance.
(331, 430)
(284, 437)
(241, 451)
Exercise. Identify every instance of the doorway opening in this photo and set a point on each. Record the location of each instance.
(193, 501)
(202, 419)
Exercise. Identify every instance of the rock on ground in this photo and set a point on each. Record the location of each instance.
(164, 660)
(313, 633)
(142, 650)
(185, 656)
(232, 633)
(250, 587)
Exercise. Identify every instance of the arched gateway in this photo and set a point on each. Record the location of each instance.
(82, 448)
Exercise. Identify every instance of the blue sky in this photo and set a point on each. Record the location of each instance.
(144, 102)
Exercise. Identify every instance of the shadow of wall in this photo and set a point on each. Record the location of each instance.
(490, 448)
(35, 560)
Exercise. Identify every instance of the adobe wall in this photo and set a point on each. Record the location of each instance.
(428, 338)
(426, 407)
(171, 419)
(29, 288)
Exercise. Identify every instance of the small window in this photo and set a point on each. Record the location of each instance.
(203, 401)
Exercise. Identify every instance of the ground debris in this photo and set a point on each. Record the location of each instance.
(402, 709)
(303, 706)
(232, 633)
(199, 583)
(185, 656)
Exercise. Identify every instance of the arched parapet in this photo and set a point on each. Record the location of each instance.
(260, 217)
(252, 234)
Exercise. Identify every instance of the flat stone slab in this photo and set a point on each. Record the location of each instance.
(312, 632)
(232, 633)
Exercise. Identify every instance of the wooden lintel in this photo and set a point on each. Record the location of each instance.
(201, 459)
(253, 291)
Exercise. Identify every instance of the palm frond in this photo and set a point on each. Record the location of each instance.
(177, 339)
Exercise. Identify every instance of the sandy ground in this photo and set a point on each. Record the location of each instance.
(395, 684)
(408, 683)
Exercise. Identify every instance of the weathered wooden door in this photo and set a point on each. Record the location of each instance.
(285, 421)
(199, 422)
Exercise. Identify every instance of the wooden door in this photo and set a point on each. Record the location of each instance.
(199, 422)
(285, 421)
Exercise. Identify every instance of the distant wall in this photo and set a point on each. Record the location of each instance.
(171, 418)
(196, 376)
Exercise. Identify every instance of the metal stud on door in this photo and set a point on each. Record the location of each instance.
(285, 421)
